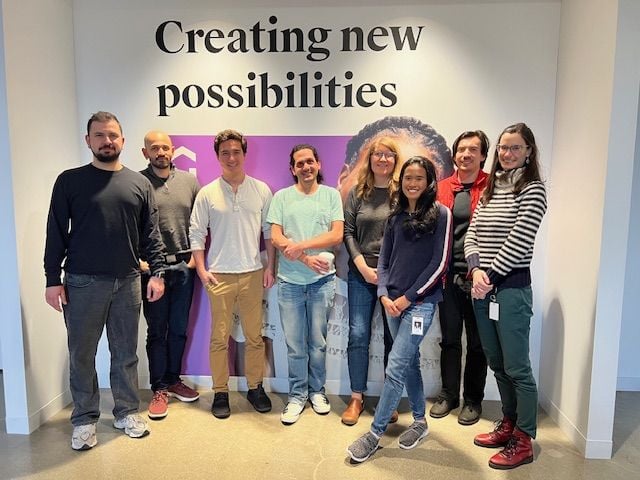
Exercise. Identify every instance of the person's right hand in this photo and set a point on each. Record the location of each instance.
(481, 284)
(390, 307)
(56, 297)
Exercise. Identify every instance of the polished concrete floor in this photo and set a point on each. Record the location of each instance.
(191, 444)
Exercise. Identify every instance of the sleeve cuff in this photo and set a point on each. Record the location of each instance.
(495, 278)
(473, 261)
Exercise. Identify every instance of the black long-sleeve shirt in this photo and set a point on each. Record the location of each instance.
(99, 221)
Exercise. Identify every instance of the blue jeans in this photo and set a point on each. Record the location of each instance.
(167, 321)
(304, 313)
(404, 366)
(362, 297)
(92, 302)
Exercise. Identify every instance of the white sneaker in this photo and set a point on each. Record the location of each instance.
(84, 437)
(291, 413)
(133, 425)
(320, 403)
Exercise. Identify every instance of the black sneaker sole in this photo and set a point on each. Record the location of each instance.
(466, 423)
(441, 415)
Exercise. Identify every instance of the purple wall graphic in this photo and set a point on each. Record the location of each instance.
(268, 160)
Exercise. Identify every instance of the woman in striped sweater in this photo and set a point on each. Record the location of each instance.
(498, 248)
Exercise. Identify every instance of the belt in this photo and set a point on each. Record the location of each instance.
(173, 258)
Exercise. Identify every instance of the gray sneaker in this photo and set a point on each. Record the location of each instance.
(84, 437)
(133, 425)
(412, 435)
(363, 448)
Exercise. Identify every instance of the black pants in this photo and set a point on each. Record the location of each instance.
(456, 309)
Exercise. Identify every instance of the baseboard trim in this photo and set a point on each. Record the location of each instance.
(591, 449)
(25, 426)
(628, 384)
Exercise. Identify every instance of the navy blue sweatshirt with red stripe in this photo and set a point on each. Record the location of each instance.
(411, 266)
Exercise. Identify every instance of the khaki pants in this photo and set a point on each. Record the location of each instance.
(244, 290)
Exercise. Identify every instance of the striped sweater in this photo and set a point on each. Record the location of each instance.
(502, 233)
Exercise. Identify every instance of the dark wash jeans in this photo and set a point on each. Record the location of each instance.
(455, 310)
(92, 302)
(167, 321)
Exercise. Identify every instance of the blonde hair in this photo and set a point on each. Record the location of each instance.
(366, 180)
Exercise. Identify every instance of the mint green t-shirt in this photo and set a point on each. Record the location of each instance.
(302, 217)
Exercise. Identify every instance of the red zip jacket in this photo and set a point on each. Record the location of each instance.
(450, 185)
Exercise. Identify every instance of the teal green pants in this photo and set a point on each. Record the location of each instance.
(506, 345)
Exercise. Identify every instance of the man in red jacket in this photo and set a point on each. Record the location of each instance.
(461, 192)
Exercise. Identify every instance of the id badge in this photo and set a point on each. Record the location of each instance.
(416, 325)
(494, 309)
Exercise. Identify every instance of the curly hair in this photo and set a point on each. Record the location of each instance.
(413, 127)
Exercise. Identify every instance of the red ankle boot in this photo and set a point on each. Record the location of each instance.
(517, 452)
(499, 437)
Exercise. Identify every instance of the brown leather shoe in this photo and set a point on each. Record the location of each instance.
(499, 437)
(353, 411)
(394, 417)
(518, 451)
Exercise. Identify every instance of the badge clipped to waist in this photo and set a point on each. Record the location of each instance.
(416, 325)
(494, 309)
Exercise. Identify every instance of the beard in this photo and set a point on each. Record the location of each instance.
(107, 155)
(161, 162)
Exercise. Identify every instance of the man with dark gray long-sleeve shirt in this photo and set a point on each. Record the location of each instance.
(167, 318)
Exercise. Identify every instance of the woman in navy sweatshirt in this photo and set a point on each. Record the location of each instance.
(413, 260)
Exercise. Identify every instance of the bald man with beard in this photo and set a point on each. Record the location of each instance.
(167, 319)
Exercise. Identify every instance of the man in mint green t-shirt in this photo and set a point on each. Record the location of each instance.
(306, 223)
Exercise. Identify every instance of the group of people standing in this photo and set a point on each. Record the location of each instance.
(464, 243)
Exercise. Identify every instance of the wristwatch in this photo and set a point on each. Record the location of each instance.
(159, 274)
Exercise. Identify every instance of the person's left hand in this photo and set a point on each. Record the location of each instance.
(402, 303)
(155, 289)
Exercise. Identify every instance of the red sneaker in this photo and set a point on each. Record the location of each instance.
(499, 437)
(518, 451)
(159, 406)
(183, 393)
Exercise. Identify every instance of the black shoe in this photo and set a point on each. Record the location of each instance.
(442, 407)
(220, 406)
(258, 398)
(469, 414)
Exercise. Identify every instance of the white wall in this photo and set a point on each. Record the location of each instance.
(15, 403)
(43, 133)
(628, 371)
(594, 136)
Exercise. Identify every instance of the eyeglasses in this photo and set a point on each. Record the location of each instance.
(388, 155)
(511, 148)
